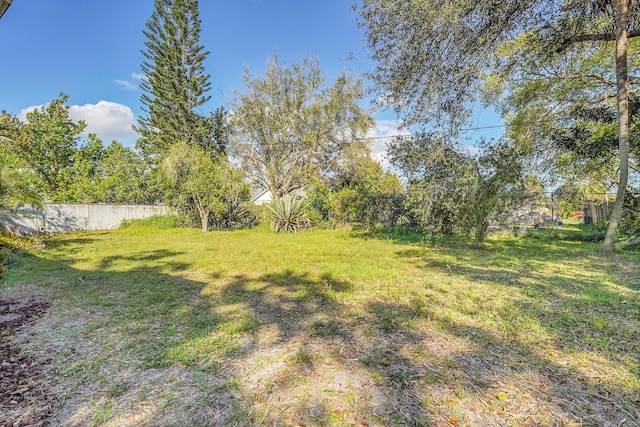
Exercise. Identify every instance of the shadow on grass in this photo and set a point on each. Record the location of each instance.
(410, 364)
(571, 314)
(307, 315)
(510, 376)
(115, 341)
(144, 345)
(396, 236)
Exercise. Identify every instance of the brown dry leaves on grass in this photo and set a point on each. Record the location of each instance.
(25, 398)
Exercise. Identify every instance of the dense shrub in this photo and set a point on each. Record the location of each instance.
(319, 204)
(631, 215)
(362, 195)
(238, 215)
(11, 244)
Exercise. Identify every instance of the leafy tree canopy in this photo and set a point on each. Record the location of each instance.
(433, 57)
(450, 190)
(47, 145)
(202, 182)
(289, 126)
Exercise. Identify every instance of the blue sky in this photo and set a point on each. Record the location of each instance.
(90, 50)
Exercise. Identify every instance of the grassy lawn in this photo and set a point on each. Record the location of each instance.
(173, 327)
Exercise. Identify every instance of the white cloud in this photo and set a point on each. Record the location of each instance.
(138, 76)
(473, 150)
(22, 115)
(126, 84)
(108, 120)
(381, 133)
(129, 85)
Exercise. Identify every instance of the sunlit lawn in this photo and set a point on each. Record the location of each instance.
(176, 327)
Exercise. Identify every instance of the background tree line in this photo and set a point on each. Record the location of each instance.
(569, 104)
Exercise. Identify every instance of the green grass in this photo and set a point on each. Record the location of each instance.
(175, 327)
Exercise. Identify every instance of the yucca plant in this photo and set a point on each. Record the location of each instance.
(289, 214)
(238, 214)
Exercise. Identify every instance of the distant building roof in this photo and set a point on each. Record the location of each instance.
(4, 5)
(261, 197)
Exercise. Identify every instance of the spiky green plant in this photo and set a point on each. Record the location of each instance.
(238, 214)
(289, 214)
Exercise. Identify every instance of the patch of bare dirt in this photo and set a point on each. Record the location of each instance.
(23, 397)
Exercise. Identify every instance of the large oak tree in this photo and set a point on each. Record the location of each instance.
(432, 57)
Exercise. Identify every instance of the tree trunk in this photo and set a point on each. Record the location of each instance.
(481, 232)
(204, 218)
(276, 193)
(621, 13)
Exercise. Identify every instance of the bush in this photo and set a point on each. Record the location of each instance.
(238, 215)
(319, 204)
(160, 222)
(630, 226)
(594, 232)
(289, 214)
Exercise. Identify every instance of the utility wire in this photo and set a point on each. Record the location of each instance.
(461, 130)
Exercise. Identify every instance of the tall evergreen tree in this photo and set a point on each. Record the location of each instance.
(176, 83)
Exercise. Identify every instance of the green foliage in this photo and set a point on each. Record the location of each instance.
(432, 59)
(18, 243)
(291, 128)
(16, 188)
(157, 222)
(201, 183)
(441, 180)
(361, 194)
(13, 244)
(239, 214)
(47, 145)
(84, 186)
(594, 232)
(219, 133)
(124, 178)
(47, 156)
(450, 190)
(289, 214)
(366, 195)
(319, 203)
(16, 185)
(631, 215)
(176, 83)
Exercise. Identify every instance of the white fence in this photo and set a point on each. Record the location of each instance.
(63, 218)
